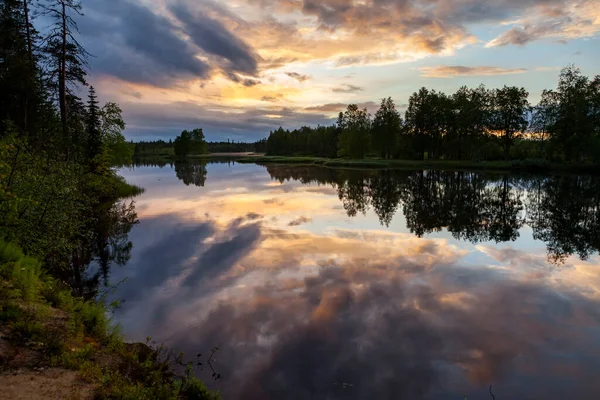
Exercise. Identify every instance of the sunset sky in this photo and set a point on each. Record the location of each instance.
(238, 68)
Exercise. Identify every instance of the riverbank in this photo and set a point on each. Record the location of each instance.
(54, 345)
(515, 165)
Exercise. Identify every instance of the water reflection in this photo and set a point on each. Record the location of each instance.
(322, 283)
(105, 245)
(563, 211)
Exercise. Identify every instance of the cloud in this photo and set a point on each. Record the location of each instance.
(117, 34)
(348, 89)
(297, 76)
(214, 39)
(554, 19)
(447, 71)
(240, 53)
(299, 221)
(546, 69)
(270, 99)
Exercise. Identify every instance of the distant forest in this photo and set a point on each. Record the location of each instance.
(163, 148)
(470, 124)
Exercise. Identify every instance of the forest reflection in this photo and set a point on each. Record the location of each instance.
(563, 211)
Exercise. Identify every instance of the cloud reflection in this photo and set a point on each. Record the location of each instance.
(298, 315)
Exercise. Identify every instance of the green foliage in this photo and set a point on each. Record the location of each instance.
(190, 143)
(120, 151)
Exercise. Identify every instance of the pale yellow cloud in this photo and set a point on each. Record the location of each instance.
(448, 71)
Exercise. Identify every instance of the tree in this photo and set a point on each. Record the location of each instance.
(93, 126)
(19, 74)
(428, 117)
(570, 113)
(355, 129)
(66, 58)
(190, 142)
(112, 126)
(387, 125)
(508, 118)
(470, 110)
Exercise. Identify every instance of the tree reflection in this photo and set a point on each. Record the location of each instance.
(106, 244)
(191, 173)
(564, 212)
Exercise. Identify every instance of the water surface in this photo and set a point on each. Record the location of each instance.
(343, 284)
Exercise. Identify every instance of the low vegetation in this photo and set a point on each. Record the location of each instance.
(42, 319)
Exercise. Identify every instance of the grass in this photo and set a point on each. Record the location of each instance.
(44, 318)
(516, 165)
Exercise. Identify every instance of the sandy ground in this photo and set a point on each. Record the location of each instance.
(54, 383)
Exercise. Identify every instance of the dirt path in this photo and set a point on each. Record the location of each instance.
(54, 383)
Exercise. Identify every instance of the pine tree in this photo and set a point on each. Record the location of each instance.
(66, 60)
(93, 126)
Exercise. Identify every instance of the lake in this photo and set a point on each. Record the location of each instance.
(318, 283)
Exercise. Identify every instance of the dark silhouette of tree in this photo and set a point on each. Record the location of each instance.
(93, 126)
(387, 126)
(20, 85)
(471, 119)
(508, 117)
(571, 113)
(428, 117)
(355, 125)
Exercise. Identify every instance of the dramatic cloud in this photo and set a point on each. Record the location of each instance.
(444, 71)
(118, 32)
(230, 58)
(214, 39)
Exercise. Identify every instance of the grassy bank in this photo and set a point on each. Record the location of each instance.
(516, 165)
(43, 326)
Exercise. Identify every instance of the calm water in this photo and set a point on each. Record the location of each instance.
(342, 284)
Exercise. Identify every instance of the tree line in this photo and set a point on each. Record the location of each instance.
(59, 191)
(470, 124)
(144, 149)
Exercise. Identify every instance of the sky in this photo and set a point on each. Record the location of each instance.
(240, 68)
